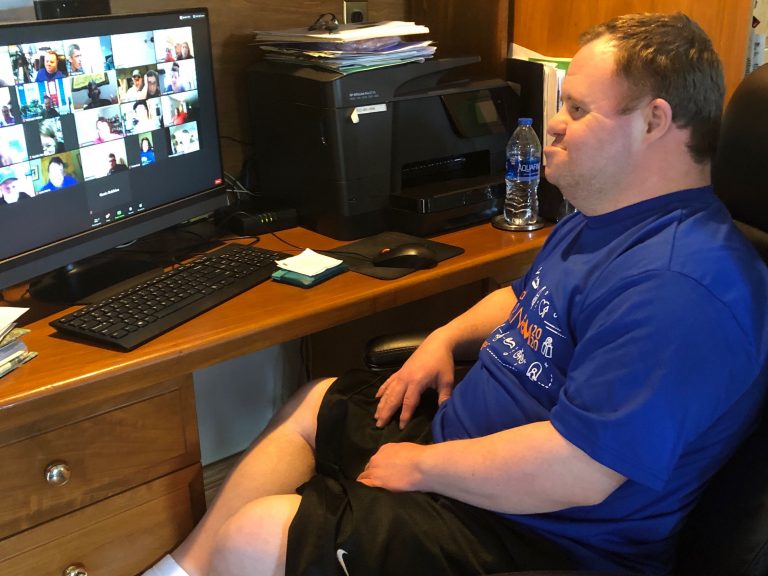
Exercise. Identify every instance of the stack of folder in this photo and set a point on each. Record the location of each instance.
(348, 49)
(13, 350)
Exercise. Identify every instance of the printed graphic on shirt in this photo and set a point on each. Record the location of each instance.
(532, 342)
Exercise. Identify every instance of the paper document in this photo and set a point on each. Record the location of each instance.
(345, 32)
(8, 317)
(309, 263)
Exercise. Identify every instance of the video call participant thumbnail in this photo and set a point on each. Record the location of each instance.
(58, 177)
(50, 69)
(10, 187)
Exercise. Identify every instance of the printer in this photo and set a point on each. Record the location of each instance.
(397, 148)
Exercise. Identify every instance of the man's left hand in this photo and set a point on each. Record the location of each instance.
(395, 467)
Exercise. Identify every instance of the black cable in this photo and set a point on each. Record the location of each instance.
(284, 241)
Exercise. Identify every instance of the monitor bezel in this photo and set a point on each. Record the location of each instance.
(35, 262)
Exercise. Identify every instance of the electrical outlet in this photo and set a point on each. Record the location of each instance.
(355, 12)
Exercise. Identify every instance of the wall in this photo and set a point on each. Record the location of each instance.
(553, 26)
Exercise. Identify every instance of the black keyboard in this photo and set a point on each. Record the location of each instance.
(138, 314)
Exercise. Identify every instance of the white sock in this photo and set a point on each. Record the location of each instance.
(166, 567)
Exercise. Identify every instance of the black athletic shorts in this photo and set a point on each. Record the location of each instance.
(345, 528)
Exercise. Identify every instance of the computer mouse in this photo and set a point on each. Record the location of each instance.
(413, 255)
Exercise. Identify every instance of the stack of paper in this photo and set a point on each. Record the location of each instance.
(351, 48)
(13, 350)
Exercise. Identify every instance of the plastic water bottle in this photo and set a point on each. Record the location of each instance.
(521, 206)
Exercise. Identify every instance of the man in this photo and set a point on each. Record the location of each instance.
(75, 60)
(94, 95)
(138, 91)
(57, 177)
(9, 188)
(48, 109)
(620, 372)
(114, 167)
(50, 69)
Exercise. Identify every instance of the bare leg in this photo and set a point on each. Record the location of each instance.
(278, 462)
(253, 542)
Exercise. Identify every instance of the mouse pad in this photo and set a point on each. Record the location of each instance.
(358, 254)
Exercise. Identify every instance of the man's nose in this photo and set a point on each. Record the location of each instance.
(556, 124)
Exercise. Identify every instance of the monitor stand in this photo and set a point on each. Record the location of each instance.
(85, 281)
(100, 276)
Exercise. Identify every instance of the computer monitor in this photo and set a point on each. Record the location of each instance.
(108, 132)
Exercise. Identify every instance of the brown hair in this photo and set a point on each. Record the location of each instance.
(669, 56)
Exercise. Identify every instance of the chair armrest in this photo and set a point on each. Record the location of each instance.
(390, 351)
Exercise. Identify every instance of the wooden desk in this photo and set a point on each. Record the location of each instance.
(124, 426)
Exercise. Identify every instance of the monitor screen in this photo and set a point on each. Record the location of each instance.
(108, 132)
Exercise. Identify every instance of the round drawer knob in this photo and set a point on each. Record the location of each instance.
(75, 570)
(57, 474)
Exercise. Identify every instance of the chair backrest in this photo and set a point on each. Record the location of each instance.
(727, 532)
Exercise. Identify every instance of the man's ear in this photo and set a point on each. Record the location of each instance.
(658, 118)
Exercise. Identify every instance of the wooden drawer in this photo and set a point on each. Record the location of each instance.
(120, 536)
(106, 454)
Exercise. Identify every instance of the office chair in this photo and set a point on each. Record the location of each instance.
(726, 534)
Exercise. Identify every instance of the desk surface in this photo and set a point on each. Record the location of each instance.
(268, 314)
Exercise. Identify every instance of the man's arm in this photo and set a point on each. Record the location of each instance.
(525, 470)
(431, 365)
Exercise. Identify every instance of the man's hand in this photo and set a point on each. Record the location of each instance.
(395, 467)
(430, 366)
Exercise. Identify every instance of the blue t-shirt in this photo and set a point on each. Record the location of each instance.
(641, 335)
(68, 181)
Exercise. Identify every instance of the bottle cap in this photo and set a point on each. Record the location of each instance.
(525, 121)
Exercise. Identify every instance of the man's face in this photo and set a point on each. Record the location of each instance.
(594, 144)
(94, 92)
(137, 81)
(175, 76)
(112, 161)
(51, 62)
(10, 190)
(76, 58)
(56, 174)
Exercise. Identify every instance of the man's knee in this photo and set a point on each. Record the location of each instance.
(253, 541)
(300, 411)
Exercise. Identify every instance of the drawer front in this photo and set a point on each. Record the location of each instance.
(87, 461)
(120, 536)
